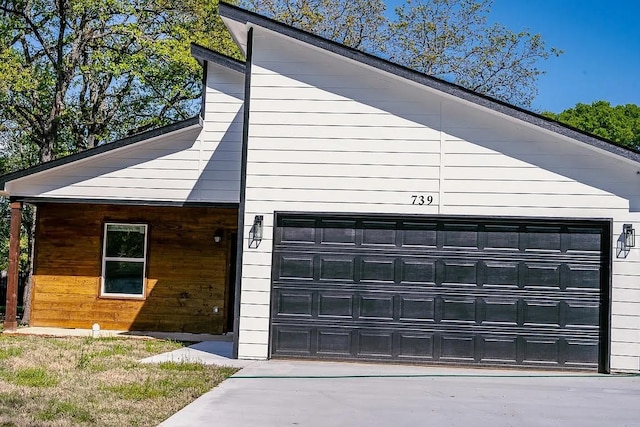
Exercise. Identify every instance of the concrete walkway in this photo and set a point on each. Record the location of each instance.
(207, 352)
(314, 394)
(105, 333)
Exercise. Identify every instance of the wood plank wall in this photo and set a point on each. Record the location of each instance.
(187, 272)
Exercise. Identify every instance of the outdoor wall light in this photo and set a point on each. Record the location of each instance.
(217, 237)
(255, 233)
(626, 240)
(629, 235)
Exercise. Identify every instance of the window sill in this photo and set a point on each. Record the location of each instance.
(123, 297)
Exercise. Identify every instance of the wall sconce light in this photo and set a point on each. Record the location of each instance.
(217, 237)
(629, 235)
(255, 233)
(626, 241)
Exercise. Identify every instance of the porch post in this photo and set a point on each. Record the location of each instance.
(10, 322)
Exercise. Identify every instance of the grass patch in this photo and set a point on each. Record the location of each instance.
(181, 366)
(33, 377)
(80, 381)
(6, 353)
(56, 410)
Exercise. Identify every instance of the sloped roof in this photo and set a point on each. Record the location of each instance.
(242, 16)
(100, 149)
(202, 54)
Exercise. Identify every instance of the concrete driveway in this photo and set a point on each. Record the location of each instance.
(297, 393)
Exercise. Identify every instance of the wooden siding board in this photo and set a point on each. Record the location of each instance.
(186, 270)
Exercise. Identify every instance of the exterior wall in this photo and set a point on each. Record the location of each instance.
(330, 135)
(186, 270)
(192, 165)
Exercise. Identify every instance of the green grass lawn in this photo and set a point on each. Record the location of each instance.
(85, 381)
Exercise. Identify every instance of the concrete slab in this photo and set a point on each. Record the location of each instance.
(314, 394)
(208, 352)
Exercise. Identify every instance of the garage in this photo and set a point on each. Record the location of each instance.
(443, 290)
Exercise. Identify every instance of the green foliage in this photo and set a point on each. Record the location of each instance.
(10, 401)
(33, 377)
(6, 353)
(181, 366)
(620, 124)
(449, 39)
(57, 409)
(356, 23)
(452, 39)
(161, 387)
(75, 73)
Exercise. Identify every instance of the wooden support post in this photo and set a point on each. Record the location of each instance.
(10, 321)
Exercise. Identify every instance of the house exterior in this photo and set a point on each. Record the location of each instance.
(330, 204)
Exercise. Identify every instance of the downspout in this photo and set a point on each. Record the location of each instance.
(243, 184)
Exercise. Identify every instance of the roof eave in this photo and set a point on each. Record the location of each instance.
(245, 17)
(202, 54)
(101, 149)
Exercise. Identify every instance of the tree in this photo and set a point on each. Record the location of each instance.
(356, 23)
(449, 39)
(75, 73)
(619, 124)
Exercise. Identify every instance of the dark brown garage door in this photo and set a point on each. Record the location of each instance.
(520, 292)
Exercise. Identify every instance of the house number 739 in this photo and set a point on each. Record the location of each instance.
(419, 199)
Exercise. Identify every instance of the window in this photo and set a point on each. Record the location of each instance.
(124, 260)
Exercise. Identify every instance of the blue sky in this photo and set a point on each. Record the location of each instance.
(601, 41)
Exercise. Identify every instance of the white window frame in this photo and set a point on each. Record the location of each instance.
(105, 258)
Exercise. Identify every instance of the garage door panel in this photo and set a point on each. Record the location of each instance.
(501, 311)
(297, 303)
(541, 351)
(581, 353)
(584, 240)
(418, 271)
(335, 343)
(460, 236)
(459, 272)
(582, 314)
(379, 233)
(375, 343)
(459, 310)
(458, 348)
(292, 341)
(502, 274)
(500, 350)
(503, 237)
(583, 276)
(542, 275)
(338, 232)
(542, 313)
(377, 269)
(297, 231)
(336, 305)
(412, 346)
(419, 235)
(295, 266)
(417, 308)
(337, 268)
(446, 291)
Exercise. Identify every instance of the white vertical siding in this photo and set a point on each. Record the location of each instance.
(189, 165)
(329, 135)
